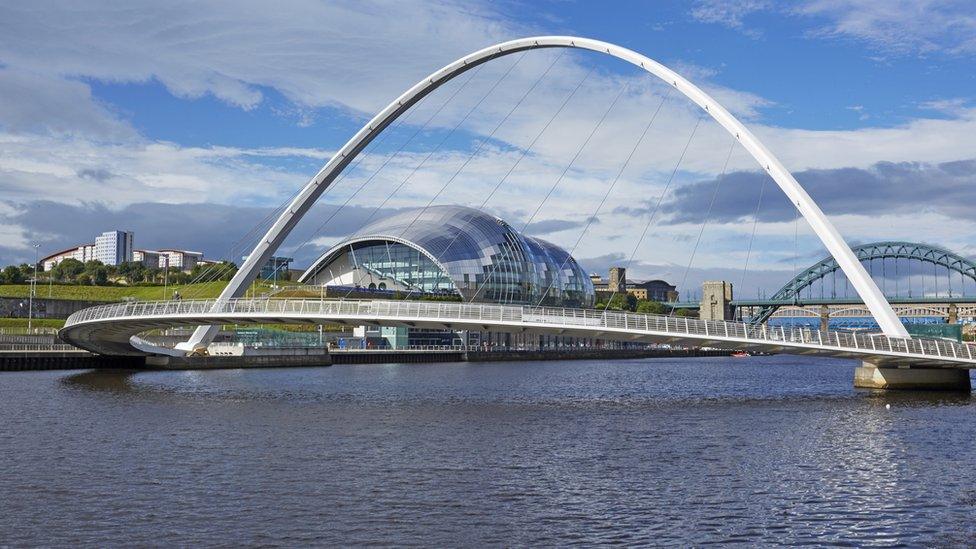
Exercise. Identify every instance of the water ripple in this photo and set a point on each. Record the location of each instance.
(773, 450)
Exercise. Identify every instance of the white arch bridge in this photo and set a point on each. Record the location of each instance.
(113, 329)
(869, 292)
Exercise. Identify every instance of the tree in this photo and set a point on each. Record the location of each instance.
(651, 307)
(132, 271)
(99, 276)
(206, 272)
(12, 275)
(226, 269)
(68, 270)
(177, 276)
(620, 302)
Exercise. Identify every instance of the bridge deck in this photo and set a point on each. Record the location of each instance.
(109, 329)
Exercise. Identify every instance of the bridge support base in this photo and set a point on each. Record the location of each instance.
(869, 376)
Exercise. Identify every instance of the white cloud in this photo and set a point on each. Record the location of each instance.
(919, 140)
(356, 54)
(899, 26)
(33, 101)
(73, 170)
(60, 144)
(730, 13)
(14, 237)
(956, 106)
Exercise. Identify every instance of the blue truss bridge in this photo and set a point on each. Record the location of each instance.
(924, 284)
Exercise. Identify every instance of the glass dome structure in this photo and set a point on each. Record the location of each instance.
(454, 250)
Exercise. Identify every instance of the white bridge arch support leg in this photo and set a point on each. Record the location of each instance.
(869, 376)
(865, 287)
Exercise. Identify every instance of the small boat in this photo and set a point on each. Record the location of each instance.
(740, 354)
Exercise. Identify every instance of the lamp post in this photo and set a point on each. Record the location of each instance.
(30, 297)
(165, 274)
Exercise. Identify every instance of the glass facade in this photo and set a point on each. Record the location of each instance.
(405, 265)
(458, 250)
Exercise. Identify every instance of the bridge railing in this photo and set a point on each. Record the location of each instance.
(526, 315)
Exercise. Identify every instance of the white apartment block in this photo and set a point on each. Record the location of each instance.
(83, 253)
(114, 247)
(181, 259)
(149, 258)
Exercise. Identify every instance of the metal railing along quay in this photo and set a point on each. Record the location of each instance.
(31, 347)
(541, 317)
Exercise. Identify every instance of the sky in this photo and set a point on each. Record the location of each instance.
(191, 123)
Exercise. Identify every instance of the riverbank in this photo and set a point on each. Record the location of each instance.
(76, 359)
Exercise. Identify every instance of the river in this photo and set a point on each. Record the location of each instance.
(684, 452)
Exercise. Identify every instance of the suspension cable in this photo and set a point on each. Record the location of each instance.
(606, 195)
(475, 151)
(214, 271)
(529, 147)
(481, 145)
(437, 147)
(423, 162)
(388, 158)
(660, 199)
(755, 225)
(795, 291)
(708, 214)
(522, 155)
(558, 180)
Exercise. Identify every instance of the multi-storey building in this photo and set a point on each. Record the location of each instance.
(180, 259)
(83, 253)
(652, 290)
(149, 258)
(114, 247)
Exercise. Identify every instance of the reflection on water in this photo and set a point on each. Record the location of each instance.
(113, 381)
(770, 449)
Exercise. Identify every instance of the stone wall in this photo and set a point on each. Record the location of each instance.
(16, 307)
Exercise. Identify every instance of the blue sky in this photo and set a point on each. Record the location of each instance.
(189, 122)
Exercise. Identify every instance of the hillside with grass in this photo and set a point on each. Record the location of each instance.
(204, 290)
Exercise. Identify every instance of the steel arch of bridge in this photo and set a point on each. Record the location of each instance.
(866, 252)
(825, 230)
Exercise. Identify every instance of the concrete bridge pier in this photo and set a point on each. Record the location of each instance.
(869, 376)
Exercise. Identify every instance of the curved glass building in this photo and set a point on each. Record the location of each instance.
(454, 250)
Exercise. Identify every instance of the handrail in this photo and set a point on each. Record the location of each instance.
(13, 347)
(525, 315)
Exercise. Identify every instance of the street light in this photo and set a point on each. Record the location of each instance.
(165, 274)
(30, 297)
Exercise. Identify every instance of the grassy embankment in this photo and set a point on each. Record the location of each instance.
(119, 293)
(36, 323)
